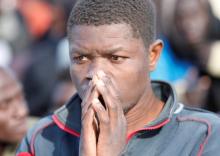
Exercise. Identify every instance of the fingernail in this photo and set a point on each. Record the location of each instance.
(95, 101)
(95, 79)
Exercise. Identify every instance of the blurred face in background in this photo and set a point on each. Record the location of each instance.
(13, 109)
(191, 19)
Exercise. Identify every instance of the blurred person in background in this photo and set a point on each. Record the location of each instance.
(46, 21)
(40, 77)
(170, 67)
(193, 38)
(12, 26)
(13, 112)
(168, 61)
(192, 52)
(33, 30)
(63, 91)
(64, 88)
(13, 35)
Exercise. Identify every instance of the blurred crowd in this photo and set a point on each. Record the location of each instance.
(33, 43)
(34, 59)
(190, 60)
(34, 47)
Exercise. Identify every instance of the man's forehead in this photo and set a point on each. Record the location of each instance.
(103, 37)
(82, 32)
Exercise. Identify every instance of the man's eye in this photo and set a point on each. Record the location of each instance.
(115, 58)
(80, 59)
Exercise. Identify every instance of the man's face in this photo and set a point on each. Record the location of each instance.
(113, 50)
(13, 110)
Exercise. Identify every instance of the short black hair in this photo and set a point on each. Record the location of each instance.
(139, 14)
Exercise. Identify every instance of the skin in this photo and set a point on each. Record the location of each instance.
(108, 61)
(13, 109)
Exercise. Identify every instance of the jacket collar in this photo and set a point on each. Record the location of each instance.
(68, 117)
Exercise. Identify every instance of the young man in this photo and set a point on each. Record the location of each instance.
(13, 113)
(118, 110)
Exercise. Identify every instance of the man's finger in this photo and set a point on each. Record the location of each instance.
(87, 93)
(102, 115)
(108, 83)
(88, 135)
(111, 100)
(90, 95)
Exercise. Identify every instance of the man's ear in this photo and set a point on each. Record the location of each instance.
(155, 50)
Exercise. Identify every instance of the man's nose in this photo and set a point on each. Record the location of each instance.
(96, 66)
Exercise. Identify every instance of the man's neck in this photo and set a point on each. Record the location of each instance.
(145, 111)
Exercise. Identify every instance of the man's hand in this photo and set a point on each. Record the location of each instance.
(112, 126)
(89, 128)
(104, 127)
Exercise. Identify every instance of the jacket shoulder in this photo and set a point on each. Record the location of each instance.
(41, 125)
(201, 115)
(204, 122)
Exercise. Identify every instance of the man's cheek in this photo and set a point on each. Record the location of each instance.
(76, 80)
(81, 92)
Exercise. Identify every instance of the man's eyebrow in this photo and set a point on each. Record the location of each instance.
(79, 50)
(114, 50)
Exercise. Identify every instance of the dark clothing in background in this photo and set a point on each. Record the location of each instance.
(40, 77)
(213, 99)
